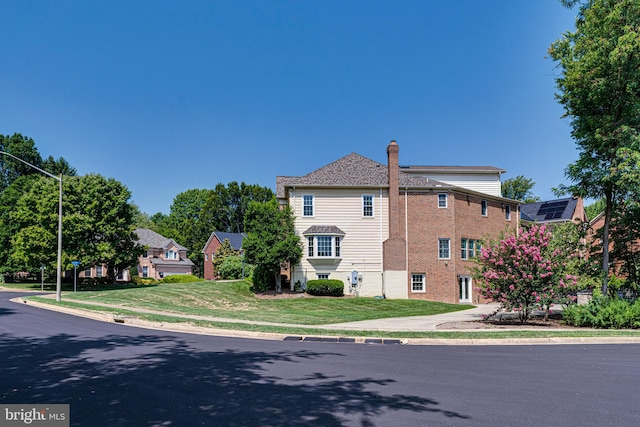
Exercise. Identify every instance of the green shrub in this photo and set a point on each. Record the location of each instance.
(231, 268)
(605, 313)
(181, 278)
(143, 280)
(325, 287)
(263, 280)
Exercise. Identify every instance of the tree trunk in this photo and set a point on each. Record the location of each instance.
(278, 283)
(605, 241)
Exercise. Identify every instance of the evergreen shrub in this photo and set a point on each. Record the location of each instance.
(325, 287)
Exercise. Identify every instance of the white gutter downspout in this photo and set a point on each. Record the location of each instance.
(381, 246)
(406, 232)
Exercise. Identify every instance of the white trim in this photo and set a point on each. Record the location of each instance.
(373, 211)
(424, 283)
(446, 200)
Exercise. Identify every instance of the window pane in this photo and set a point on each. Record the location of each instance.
(307, 209)
(442, 200)
(324, 245)
(484, 208)
(417, 282)
(463, 248)
(337, 247)
(310, 240)
(443, 248)
(367, 205)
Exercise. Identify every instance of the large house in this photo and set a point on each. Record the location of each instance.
(163, 257)
(396, 231)
(215, 241)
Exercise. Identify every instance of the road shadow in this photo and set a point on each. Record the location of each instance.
(165, 381)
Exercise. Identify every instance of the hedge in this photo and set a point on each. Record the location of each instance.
(325, 287)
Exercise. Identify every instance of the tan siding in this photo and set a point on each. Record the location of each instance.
(361, 247)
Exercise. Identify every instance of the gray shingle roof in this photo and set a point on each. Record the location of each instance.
(324, 229)
(353, 170)
(152, 239)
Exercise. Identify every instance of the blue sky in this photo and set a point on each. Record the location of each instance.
(167, 96)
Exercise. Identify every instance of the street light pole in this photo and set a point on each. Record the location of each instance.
(59, 267)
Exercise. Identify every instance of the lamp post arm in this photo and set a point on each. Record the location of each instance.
(59, 178)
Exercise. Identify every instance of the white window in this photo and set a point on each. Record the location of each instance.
(120, 275)
(170, 254)
(367, 206)
(323, 247)
(507, 212)
(442, 200)
(483, 205)
(323, 276)
(145, 271)
(444, 248)
(87, 272)
(311, 250)
(206, 257)
(98, 271)
(417, 283)
(469, 248)
(307, 205)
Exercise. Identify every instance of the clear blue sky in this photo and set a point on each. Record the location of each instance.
(167, 96)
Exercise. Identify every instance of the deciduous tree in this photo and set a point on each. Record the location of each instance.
(519, 188)
(599, 67)
(271, 240)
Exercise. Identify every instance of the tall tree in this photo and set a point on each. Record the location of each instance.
(271, 240)
(519, 188)
(22, 147)
(98, 225)
(227, 205)
(598, 87)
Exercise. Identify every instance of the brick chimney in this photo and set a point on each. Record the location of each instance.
(394, 248)
(394, 189)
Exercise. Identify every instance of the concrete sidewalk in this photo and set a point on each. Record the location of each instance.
(417, 323)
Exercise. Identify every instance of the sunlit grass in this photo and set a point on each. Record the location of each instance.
(234, 300)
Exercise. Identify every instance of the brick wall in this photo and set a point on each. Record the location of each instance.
(427, 223)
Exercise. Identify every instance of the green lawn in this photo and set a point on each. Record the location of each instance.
(234, 300)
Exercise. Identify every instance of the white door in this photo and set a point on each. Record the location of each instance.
(464, 286)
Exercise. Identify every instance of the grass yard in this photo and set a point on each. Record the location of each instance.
(234, 300)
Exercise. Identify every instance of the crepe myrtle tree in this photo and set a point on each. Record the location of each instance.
(524, 272)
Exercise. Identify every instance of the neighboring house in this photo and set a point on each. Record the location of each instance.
(554, 211)
(212, 245)
(163, 257)
(98, 271)
(395, 231)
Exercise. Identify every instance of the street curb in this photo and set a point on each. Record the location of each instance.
(200, 330)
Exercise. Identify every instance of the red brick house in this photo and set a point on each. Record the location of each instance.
(164, 257)
(212, 245)
(397, 231)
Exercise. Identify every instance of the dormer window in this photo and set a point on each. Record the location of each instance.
(170, 254)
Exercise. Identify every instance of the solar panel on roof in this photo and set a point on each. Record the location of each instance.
(552, 210)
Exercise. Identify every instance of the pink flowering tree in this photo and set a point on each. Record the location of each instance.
(524, 272)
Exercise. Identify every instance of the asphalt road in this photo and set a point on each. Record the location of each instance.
(116, 375)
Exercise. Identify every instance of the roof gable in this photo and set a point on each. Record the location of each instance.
(152, 239)
(353, 170)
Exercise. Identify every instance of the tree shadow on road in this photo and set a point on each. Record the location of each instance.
(161, 381)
